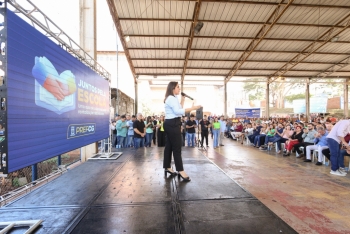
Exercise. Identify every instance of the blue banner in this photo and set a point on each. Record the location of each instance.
(55, 103)
(247, 112)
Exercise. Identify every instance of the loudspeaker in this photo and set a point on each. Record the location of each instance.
(199, 113)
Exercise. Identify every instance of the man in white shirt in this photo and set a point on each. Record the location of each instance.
(222, 130)
(334, 139)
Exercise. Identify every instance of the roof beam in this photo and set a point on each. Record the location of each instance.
(224, 50)
(227, 68)
(190, 39)
(228, 22)
(222, 75)
(272, 3)
(332, 69)
(114, 13)
(313, 47)
(275, 16)
(227, 60)
(234, 38)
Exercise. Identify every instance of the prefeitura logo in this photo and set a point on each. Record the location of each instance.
(78, 130)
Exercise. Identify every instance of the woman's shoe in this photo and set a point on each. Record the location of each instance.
(170, 171)
(184, 178)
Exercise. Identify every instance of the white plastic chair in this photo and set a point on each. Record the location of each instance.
(282, 146)
(302, 149)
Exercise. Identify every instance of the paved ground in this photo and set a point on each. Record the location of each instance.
(132, 195)
(304, 195)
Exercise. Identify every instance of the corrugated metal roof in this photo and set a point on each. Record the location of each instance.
(237, 37)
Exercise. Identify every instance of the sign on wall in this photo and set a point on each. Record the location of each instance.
(247, 112)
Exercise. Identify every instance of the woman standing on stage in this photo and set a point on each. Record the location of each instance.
(172, 127)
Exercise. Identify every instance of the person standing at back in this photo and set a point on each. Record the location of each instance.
(149, 131)
(122, 130)
(222, 130)
(216, 132)
(172, 127)
(191, 132)
(130, 135)
(161, 132)
(204, 126)
(139, 131)
(334, 140)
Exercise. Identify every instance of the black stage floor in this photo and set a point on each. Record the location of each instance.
(132, 195)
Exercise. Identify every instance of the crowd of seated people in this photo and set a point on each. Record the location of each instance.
(299, 137)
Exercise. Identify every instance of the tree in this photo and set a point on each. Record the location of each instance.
(255, 90)
(278, 91)
(292, 97)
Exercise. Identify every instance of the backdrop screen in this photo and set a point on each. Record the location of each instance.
(55, 103)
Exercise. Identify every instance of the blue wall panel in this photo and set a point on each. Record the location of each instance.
(38, 125)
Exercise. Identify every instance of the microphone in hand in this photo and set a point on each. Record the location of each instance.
(185, 95)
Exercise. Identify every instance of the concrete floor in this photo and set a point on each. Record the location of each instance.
(304, 195)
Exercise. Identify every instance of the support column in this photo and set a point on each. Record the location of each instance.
(136, 98)
(307, 100)
(88, 43)
(88, 26)
(225, 99)
(59, 160)
(182, 85)
(267, 98)
(346, 98)
(34, 172)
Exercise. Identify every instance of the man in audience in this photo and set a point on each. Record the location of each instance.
(130, 124)
(139, 131)
(191, 131)
(256, 132)
(204, 126)
(320, 144)
(308, 136)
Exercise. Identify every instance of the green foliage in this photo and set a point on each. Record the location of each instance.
(15, 182)
(147, 109)
(256, 90)
(292, 97)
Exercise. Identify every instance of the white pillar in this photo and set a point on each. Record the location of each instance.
(88, 43)
(307, 100)
(225, 98)
(88, 26)
(267, 98)
(346, 98)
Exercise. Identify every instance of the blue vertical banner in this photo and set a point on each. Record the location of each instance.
(55, 103)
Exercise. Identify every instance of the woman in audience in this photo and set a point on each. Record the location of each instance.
(161, 132)
(149, 131)
(287, 133)
(247, 131)
(216, 132)
(296, 138)
(270, 134)
(237, 132)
